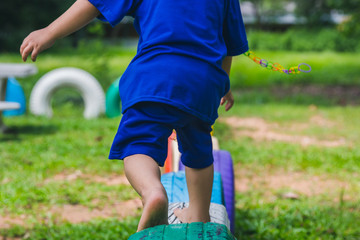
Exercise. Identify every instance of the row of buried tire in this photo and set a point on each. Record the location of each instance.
(80, 80)
(222, 208)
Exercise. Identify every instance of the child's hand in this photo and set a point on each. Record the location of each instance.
(229, 99)
(35, 43)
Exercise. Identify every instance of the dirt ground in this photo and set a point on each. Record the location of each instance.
(260, 130)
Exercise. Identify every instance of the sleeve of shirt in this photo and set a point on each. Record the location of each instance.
(234, 29)
(113, 11)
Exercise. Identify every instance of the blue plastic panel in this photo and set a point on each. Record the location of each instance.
(176, 188)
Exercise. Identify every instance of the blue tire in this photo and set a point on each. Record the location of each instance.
(177, 191)
(15, 93)
(225, 166)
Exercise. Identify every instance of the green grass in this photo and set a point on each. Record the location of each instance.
(44, 148)
(293, 155)
(41, 149)
(286, 219)
(106, 229)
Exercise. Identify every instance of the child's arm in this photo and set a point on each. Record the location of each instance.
(77, 16)
(226, 65)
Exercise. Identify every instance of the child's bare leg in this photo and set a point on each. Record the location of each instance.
(143, 174)
(199, 183)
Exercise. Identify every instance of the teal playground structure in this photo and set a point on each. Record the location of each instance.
(112, 100)
(186, 231)
(222, 208)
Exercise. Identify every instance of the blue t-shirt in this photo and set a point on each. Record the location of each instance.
(181, 48)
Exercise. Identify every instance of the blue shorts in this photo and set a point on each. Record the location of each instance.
(146, 127)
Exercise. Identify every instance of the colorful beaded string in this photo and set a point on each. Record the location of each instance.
(276, 66)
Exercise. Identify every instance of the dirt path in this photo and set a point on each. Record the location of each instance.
(76, 214)
(111, 180)
(260, 130)
(79, 213)
(289, 184)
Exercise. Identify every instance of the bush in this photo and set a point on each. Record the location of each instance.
(301, 40)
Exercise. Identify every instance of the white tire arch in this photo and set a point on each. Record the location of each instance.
(89, 88)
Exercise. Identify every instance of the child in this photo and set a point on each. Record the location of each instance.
(177, 80)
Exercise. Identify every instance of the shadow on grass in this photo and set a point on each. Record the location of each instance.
(14, 133)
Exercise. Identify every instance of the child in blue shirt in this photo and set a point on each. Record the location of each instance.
(177, 80)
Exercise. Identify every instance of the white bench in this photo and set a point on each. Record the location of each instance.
(9, 106)
(11, 70)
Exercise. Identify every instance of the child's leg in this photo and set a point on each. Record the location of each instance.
(143, 174)
(199, 183)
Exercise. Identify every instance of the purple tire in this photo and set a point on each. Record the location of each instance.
(224, 165)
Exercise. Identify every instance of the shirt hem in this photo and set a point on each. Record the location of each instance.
(106, 14)
(244, 48)
(210, 120)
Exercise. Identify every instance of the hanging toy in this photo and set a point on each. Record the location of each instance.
(276, 66)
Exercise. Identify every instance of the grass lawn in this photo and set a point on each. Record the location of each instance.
(296, 161)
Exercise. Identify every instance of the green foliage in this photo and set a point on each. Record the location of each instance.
(97, 29)
(98, 57)
(267, 11)
(303, 40)
(18, 18)
(349, 6)
(350, 27)
(316, 12)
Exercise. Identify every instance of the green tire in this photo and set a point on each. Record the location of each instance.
(112, 100)
(185, 231)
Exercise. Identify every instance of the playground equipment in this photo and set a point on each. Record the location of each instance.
(177, 191)
(217, 213)
(185, 231)
(84, 82)
(15, 93)
(11, 70)
(222, 208)
(112, 100)
(223, 165)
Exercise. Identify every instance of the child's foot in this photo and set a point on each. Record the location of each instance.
(182, 215)
(155, 210)
(186, 216)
